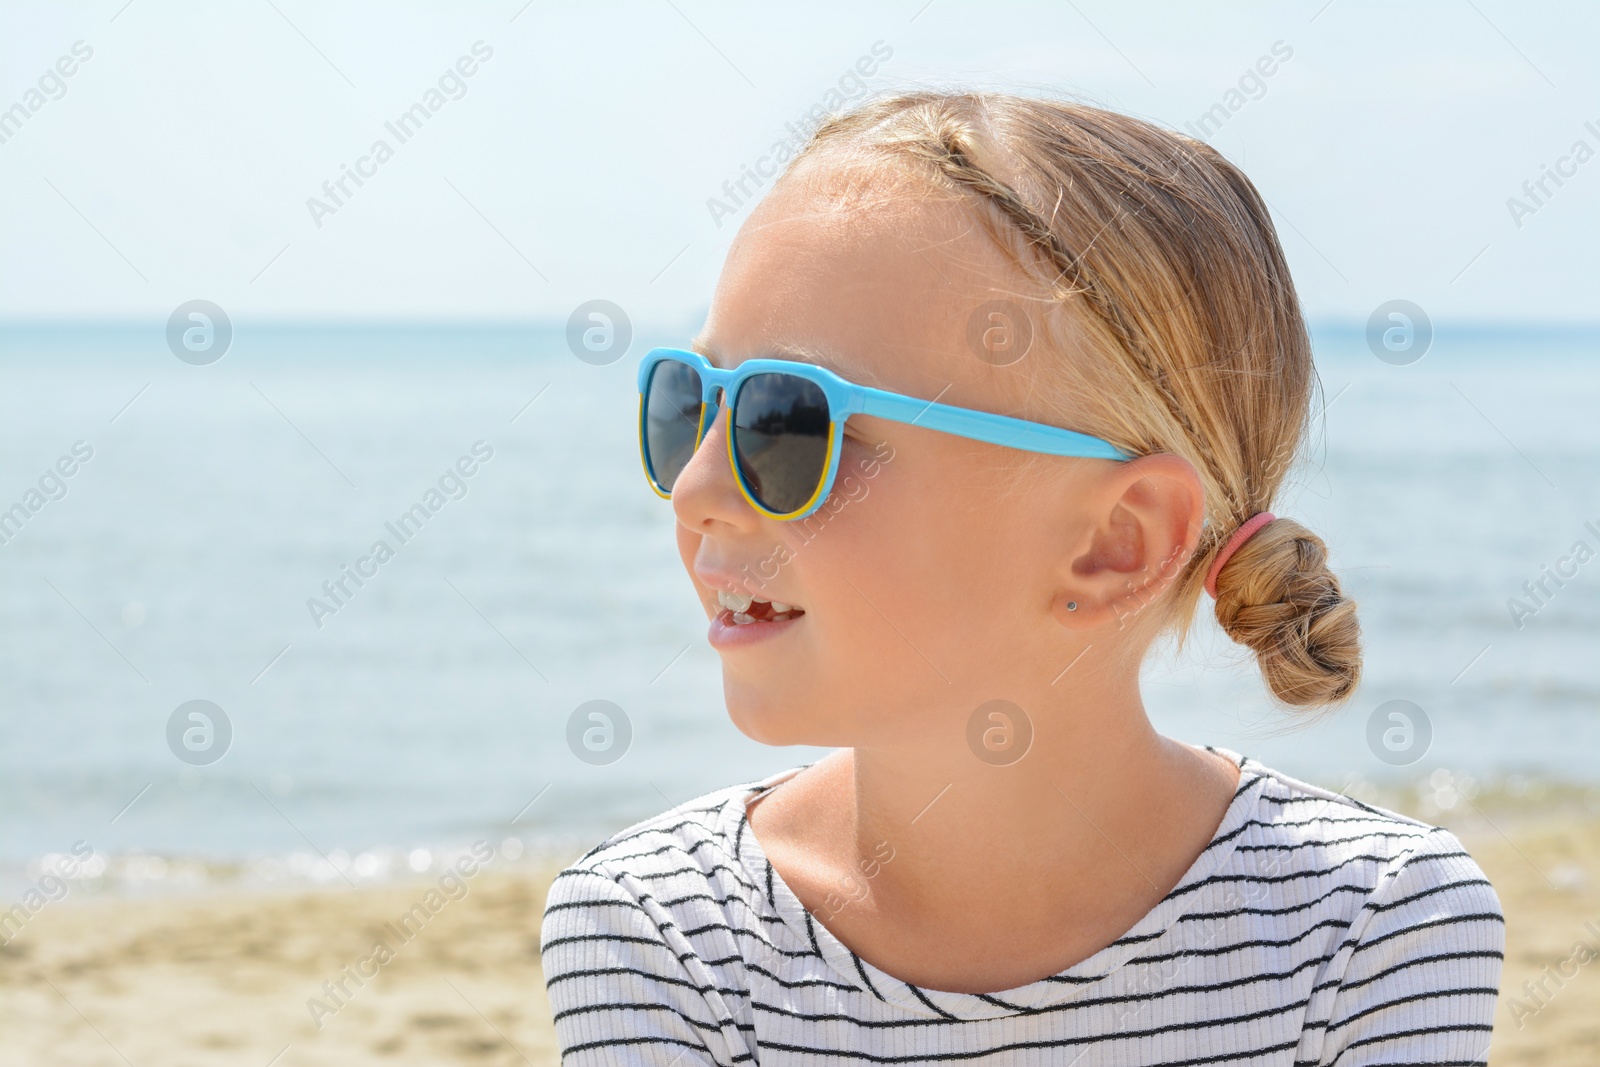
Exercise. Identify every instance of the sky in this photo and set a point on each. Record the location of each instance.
(583, 157)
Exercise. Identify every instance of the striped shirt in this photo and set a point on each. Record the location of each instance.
(1313, 929)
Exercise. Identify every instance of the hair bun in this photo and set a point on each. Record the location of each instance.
(1277, 597)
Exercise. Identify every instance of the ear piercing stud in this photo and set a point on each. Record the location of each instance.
(1072, 605)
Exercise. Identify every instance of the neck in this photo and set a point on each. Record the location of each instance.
(962, 828)
(970, 873)
(1101, 811)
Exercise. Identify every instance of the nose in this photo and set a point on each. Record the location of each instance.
(705, 496)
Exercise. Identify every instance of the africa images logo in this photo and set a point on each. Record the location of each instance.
(336, 191)
(737, 192)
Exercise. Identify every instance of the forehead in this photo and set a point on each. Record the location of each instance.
(843, 363)
(866, 273)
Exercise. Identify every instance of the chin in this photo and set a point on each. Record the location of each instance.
(765, 724)
(772, 722)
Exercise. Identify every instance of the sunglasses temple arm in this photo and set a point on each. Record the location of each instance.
(985, 426)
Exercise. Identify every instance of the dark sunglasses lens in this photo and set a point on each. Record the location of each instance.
(780, 438)
(671, 420)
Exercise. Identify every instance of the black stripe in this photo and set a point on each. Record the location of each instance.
(1070, 1007)
(627, 835)
(1429, 1031)
(862, 971)
(870, 1024)
(1314, 842)
(739, 931)
(799, 983)
(1419, 832)
(1340, 800)
(918, 994)
(1327, 898)
(1447, 920)
(812, 933)
(596, 972)
(706, 871)
(1356, 888)
(585, 1009)
(1432, 994)
(721, 902)
(716, 836)
(1218, 879)
(997, 1002)
(1482, 954)
(604, 902)
(1233, 1056)
(1429, 892)
(614, 1042)
(577, 872)
(1220, 950)
(600, 902)
(673, 846)
(579, 939)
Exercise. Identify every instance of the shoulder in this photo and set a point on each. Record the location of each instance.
(1289, 814)
(1405, 884)
(684, 862)
(640, 942)
(1411, 966)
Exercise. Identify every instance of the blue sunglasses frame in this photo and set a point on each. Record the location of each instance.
(846, 398)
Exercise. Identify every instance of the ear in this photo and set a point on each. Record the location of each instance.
(1144, 522)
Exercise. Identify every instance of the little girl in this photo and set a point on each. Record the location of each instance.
(992, 389)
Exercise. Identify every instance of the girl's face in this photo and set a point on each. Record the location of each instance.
(928, 576)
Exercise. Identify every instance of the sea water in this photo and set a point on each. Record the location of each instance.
(204, 549)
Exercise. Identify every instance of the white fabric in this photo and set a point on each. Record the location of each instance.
(1312, 930)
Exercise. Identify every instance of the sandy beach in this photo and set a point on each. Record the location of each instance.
(237, 977)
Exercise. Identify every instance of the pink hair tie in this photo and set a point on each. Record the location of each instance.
(1240, 536)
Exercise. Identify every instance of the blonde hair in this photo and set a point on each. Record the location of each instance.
(1180, 294)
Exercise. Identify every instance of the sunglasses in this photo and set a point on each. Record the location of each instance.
(785, 426)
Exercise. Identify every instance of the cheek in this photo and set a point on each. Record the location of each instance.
(894, 567)
(945, 547)
(920, 542)
(916, 597)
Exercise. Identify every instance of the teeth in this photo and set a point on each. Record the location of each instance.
(738, 602)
